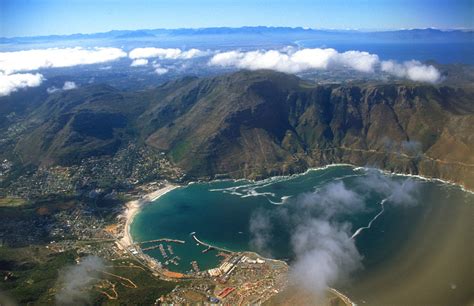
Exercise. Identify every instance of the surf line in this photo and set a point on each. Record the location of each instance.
(358, 231)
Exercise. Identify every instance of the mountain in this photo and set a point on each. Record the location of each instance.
(135, 34)
(262, 123)
(409, 34)
(256, 124)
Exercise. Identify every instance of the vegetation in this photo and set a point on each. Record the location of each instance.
(256, 124)
(11, 201)
(149, 288)
(29, 273)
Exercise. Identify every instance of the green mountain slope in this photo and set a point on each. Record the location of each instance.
(256, 124)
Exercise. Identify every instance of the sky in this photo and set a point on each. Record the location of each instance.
(47, 17)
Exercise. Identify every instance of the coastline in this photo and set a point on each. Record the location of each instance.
(133, 207)
(356, 167)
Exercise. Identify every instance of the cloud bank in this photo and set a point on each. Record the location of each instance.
(295, 61)
(139, 62)
(30, 60)
(319, 236)
(15, 64)
(12, 82)
(412, 70)
(11, 62)
(140, 56)
(164, 53)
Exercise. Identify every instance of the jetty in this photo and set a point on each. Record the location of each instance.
(151, 248)
(207, 249)
(170, 249)
(160, 240)
(208, 246)
(195, 266)
(162, 250)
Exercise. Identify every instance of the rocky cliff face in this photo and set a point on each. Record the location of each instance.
(257, 124)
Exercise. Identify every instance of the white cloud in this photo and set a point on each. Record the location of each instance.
(68, 85)
(165, 53)
(11, 62)
(76, 280)
(12, 82)
(52, 89)
(325, 255)
(159, 69)
(139, 62)
(153, 52)
(412, 70)
(358, 60)
(318, 223)
(30, 60)
(191, 53)
(140, 56)
(314, 58)
(290, 60)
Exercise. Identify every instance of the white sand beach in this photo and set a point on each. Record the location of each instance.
(133, 207)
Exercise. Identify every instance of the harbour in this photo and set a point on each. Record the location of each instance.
(215, 218)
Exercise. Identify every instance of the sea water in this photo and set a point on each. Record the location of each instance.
(418, 246)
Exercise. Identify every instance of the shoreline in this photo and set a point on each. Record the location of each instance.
(356, 167)
(132, 208)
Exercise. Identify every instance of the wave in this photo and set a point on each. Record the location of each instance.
(283, 199)
(251, 188)
(421, 177)
(359, 230)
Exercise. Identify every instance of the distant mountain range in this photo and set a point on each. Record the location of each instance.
(256, 124)
(424, 34)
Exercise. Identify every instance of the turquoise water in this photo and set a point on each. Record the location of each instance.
(220, 212)
(224, 213)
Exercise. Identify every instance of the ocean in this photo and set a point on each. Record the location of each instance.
(411, 236)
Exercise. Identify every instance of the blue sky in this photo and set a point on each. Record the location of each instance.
(45, 17)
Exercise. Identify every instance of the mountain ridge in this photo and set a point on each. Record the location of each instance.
(324, 124)
(240, 30)
(256, 124)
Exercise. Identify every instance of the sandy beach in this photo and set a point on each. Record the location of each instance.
(133, 207)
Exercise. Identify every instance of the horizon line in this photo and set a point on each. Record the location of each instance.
(362, 30)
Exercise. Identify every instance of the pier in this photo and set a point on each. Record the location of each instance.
(162, 250)
(207, 250)
(209, 247)
(151, 248)
(161, 240)
(170, 249)
(195, 266)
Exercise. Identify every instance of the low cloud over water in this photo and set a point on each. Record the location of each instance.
(320, 238)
